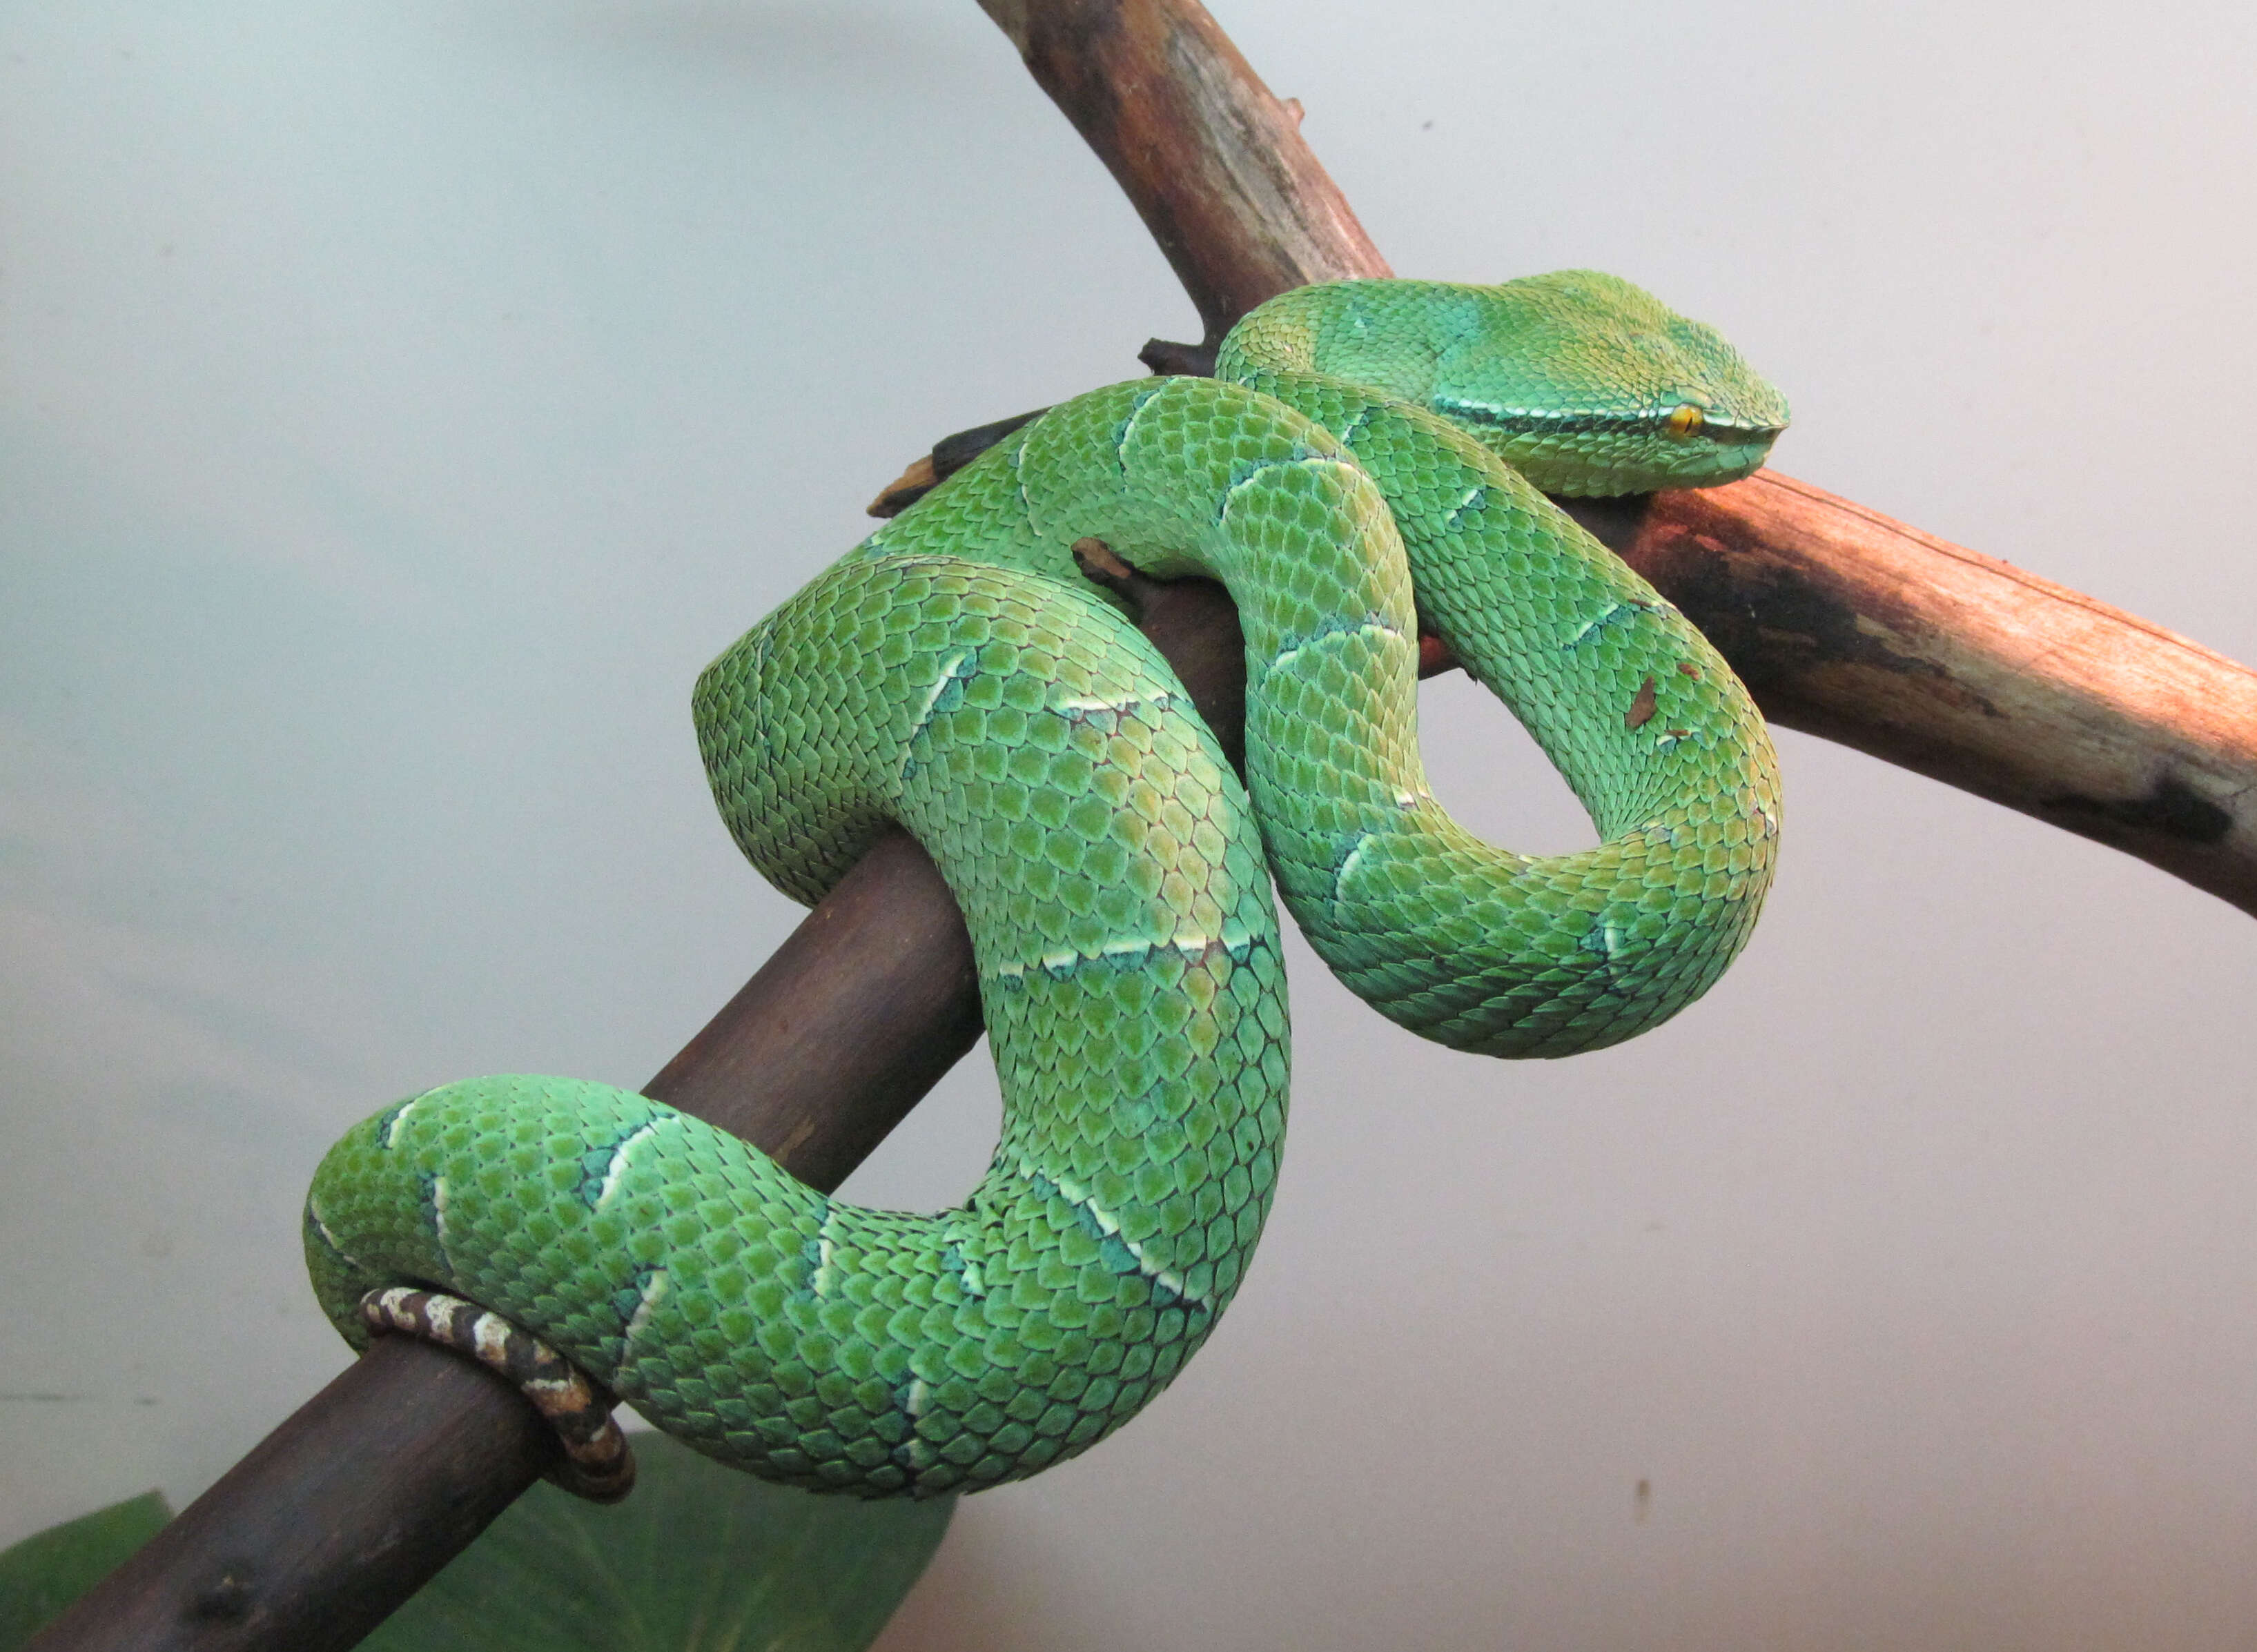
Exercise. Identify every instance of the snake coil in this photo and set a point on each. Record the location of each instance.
(1368, 463)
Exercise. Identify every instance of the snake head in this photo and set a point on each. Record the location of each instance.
(1587, 384)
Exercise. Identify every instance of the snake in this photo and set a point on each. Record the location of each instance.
(1369, 463)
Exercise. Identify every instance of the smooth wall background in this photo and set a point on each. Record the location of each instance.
(399, 405)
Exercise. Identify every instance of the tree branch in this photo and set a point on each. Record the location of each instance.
(373, 1485)
(1843, 623)
(385, 1475)
(1211, 162)
(1967, 669)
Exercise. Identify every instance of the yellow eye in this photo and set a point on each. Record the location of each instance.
(1685, 421)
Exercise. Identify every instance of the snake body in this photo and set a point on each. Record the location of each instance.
(1366, 464)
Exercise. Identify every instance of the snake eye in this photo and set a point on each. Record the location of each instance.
(1685, 419)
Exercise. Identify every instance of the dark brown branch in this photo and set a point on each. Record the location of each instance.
(1968, 669)
(1845, 624)
(1962, 667)
(1211, 162)
(382, 1477)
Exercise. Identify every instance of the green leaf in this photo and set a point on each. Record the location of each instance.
(49, 1569)
(700, 1558)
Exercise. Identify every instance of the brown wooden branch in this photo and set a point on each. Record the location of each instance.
(1845, 624)
(378, 1481)
(1211, 162)
(1965, 669)
(383, 1477)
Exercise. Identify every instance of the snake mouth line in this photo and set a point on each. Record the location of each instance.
(1533, 422)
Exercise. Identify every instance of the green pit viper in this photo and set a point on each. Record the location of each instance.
(1366, 464)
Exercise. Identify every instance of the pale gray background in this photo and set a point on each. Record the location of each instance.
(403, 401)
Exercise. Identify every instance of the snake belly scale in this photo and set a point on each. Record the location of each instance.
(1367, 464)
